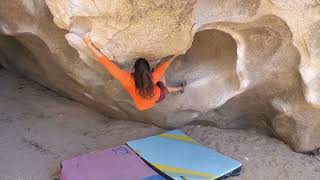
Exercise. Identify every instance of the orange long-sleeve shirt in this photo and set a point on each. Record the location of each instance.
(127, 81)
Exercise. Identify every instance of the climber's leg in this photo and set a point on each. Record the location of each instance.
(173, 89)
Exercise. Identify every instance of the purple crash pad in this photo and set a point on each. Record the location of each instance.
(118, 163)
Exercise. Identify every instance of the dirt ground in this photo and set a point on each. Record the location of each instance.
(38, 129)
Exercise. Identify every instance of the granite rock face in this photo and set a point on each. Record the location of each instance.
(248, 63)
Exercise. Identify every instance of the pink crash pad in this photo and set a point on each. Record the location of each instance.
(118, 163)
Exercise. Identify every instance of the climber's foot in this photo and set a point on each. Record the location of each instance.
(183, 85)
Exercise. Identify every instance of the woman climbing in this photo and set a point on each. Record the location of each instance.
(144, 86)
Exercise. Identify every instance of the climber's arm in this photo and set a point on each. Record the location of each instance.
(161, 69)
(114, 70)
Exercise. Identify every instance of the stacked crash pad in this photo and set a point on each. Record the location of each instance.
(172, 155)
(118, 163)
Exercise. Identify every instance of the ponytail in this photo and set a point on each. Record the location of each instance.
(143, 79)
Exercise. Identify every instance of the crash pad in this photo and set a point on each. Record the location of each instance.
(181, 157)
(118, 163)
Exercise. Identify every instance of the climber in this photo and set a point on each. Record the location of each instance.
(146, 87)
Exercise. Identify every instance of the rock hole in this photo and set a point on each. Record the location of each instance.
(209, 67)
(15, 55)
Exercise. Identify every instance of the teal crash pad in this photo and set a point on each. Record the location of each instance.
(180, 157)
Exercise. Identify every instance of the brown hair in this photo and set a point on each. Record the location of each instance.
(143, 78)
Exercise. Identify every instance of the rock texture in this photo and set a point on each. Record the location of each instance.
(248, 63)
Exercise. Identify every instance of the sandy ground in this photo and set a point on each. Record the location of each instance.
(39, 128)
(262, 157)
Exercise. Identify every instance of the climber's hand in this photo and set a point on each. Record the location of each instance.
(174, 56)
(96, 52)
(87, 39)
